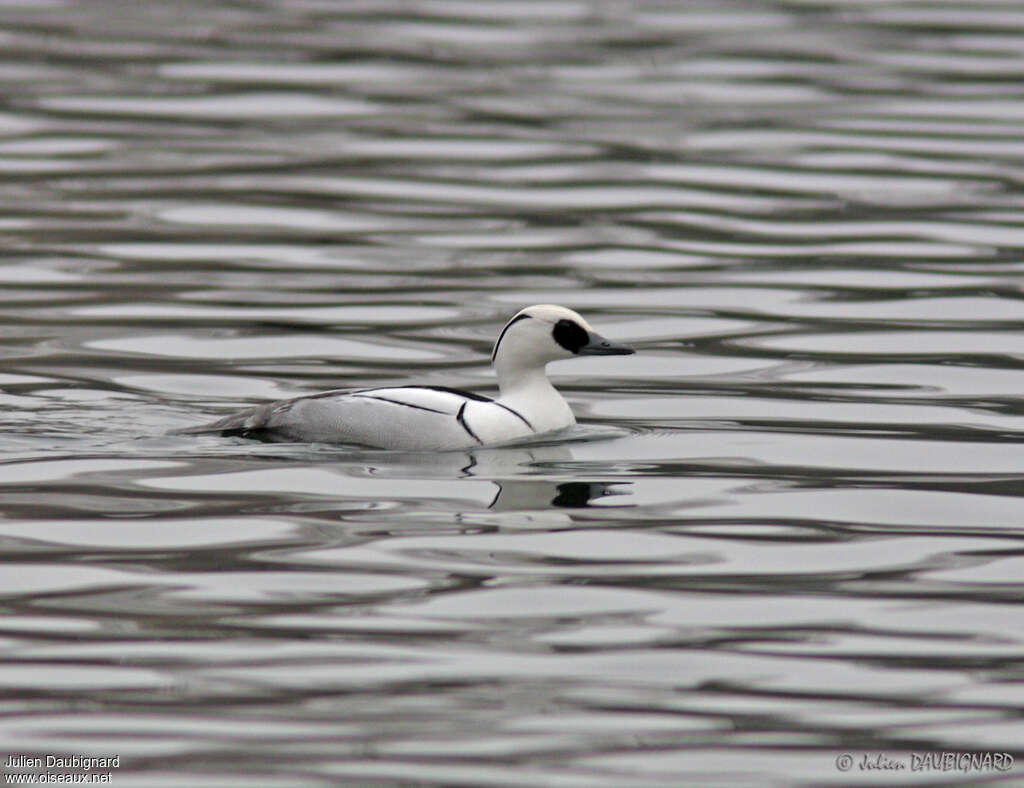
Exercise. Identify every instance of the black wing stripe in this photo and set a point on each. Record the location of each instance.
(446, 389)
(461, 417)
(450, 390)
(405, 404)
(517, 414)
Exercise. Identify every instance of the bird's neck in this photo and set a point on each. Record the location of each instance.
(528, 391)
(514, 380)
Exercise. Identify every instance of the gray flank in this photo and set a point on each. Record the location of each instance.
(404, 404)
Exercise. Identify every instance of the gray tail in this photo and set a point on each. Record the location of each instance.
(230, 424)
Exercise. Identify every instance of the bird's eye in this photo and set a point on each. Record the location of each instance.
(570, 335)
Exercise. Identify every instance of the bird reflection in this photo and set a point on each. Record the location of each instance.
(530, 477)
(518, 494)
(517, 473)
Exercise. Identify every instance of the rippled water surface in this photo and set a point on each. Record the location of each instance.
(787, 529)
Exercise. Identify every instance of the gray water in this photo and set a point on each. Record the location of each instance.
(788, 529)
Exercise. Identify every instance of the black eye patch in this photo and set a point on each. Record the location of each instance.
(570, 335)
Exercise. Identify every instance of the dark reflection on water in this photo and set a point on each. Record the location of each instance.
(786, 530)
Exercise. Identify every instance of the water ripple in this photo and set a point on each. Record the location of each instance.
(786, 529)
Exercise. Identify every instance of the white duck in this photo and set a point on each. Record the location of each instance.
(419, 418)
